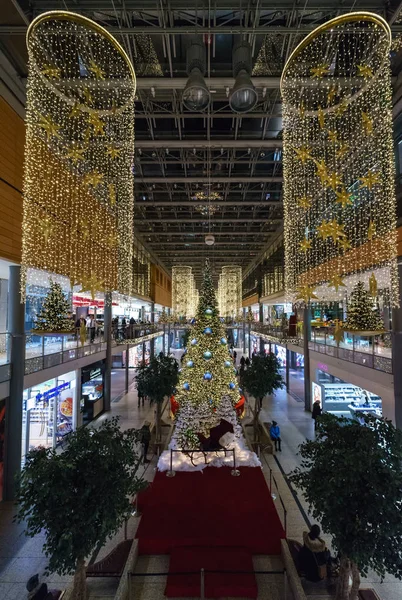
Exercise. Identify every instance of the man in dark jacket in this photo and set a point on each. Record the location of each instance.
(145, 439)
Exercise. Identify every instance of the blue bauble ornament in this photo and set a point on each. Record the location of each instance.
(207, 355)
(208, 330)
(232, 385)
(207, 376)
(186, 386)
(193, 342)
(190, 364)
(228, 363)
(210, 401)
(224, 341)
(209, 312)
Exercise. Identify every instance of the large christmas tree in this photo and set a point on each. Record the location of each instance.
(53, 318)
(208, 373)
(362, 314)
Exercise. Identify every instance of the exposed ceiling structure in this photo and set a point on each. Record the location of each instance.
(206, 172)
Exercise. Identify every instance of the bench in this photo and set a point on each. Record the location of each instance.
(368, 594)
(113, 564)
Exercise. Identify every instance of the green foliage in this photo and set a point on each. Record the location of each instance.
(352, 479)
(80, 497)
(54, 314)
(362, 315)
(158, 379)
(263, 377)
(220, 364)
(186, 337)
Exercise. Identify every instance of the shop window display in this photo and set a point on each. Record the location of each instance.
(92, 386)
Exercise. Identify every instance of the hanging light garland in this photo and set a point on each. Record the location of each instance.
(339, 197)
(230, 291)
(78, 178)
(184, 293)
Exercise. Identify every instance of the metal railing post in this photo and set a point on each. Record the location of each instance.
(171, 473)
(235, 472)
(270, 479)
(129, 586)
(202, 585)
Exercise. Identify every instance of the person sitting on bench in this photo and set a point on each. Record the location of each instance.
(314, 555)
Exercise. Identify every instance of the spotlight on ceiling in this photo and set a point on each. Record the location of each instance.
(209, 239)
(243, 96)
(196, 95)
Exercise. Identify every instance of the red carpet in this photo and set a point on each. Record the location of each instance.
(217, 585)
(209, 508)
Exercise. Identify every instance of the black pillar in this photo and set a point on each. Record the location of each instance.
(306, 339)
(288, 355)
(152, 321)
(108, 340)
(127, 366)
(244, 331)
(13, 428)
(397, 352)
(261, 319)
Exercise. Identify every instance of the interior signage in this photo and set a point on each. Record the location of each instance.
(53, 391)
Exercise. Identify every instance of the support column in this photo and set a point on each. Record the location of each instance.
(261, 319)
(397, 352)
(143, 313)
(153, 321)
(244, 331)
(13, 430)
(108, 340)
(288, 355)
(127, 368)
(306, 339)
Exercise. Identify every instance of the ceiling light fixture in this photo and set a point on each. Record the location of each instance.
(244, 96)
(196, 96)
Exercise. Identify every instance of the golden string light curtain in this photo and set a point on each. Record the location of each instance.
(78, 177)
(339, 196)
(184, 292)
(230, 292)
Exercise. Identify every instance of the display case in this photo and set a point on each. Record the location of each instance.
(340, 397)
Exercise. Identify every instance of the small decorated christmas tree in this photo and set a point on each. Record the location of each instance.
(53, 318)
(362, 315)
(250, 316)
(163, 318)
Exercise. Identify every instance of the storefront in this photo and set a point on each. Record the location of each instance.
(341, 398)
(49, 412)
(92, 387)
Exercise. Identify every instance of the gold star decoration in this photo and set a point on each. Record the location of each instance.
(333, 136)
(338, 333)
(76, 153)
(331, 95)
(306, 293)
(112, 194)
(50, 128)
(372, 230)
(96, 70)
(87, 95)
(305, 245)
(51, 72)
(370, 180)
(333, 180)
(344, 244)
(331, 229)
(321, 119)
(304, 202)
(341, 108)
(367, 123)
(322, 171)
(92, 284)
(319, 71)
(340, 153)
(96, 123)
(303, 154)
(47, 227)
(373, 285)
(112, 151)
(364, 71)
(344, 198)
(75, 111)
(94, 179)
(336, 282)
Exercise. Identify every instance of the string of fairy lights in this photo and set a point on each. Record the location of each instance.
(230, 292)
(339, 197)
(184, 292)
(78, 174)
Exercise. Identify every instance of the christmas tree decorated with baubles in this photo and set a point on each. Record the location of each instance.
(208, 373)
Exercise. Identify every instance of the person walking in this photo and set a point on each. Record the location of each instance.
(92, 328)
(316, 413)
(145, 439)
(275, 434)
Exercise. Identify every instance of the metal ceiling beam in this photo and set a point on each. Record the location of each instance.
(179, 83)
(223, 205)
(212, 180)
(191, 246)
(218, 144)
(203, 233)
(202, 219)
(211, 116)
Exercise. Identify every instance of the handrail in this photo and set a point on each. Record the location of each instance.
(285, 512)
(190, 452)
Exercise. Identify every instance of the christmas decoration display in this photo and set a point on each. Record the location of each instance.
(184, 293)
(362, 315)
(163, 318)
(78, 178)
(250, 316)
(53, 317)
(339, 195)
(208, 378)
(230, 292)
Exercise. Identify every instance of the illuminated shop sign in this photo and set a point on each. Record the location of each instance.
(52, 392)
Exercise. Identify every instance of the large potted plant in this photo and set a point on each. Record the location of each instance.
(81, 497)
(352, 479)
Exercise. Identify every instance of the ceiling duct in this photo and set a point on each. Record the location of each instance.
(196, 96)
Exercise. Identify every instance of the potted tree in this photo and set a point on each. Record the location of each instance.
(158, 380)
(351, 477)
(80, 497)
(261, 379)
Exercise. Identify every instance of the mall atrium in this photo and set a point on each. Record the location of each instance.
(200, 300)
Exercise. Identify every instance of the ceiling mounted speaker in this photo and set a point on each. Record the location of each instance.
(243, 96)
(196, 95)
(209, 239)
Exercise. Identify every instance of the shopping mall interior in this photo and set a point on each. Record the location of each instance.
(201, 235)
